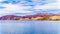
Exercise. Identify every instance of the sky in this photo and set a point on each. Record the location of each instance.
(14, 7)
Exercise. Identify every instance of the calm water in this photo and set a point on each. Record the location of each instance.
(29, 27)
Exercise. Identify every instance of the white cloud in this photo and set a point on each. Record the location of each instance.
(14, 8)
(54, 5)
(10, 9)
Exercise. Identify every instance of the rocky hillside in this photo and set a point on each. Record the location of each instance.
(32, 17)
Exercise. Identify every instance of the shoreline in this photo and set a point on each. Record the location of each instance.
(32, 17)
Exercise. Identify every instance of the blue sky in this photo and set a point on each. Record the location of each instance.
(15, 7)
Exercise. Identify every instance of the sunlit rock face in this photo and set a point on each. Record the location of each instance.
(29, 7)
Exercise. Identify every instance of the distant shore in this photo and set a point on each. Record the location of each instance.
(32, 17)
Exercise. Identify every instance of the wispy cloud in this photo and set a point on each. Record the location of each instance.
(54, 5)
(10, 8)
(48, 8)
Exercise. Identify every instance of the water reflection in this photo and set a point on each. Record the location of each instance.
(29, 27)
